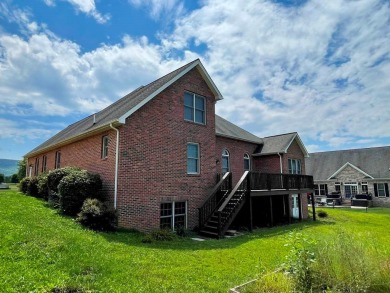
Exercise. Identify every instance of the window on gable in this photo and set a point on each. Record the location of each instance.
(225, 162)
(247, 162)
(193, 165)
(57, 163)
(194, 108)
(44, 162)
(173, 215)
(294, 166)
(104, 152)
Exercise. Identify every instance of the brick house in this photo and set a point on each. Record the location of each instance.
(161, 148)
(352, 172)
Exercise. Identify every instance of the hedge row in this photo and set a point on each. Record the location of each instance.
(74, 192)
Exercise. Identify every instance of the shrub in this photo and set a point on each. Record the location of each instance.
(322, 214)
(147, 238)
(163, 235)
(97, 216)
(74, 189)
(43, 189)
(32, 187)
(53, 180)
(23, 185)
(54, 177)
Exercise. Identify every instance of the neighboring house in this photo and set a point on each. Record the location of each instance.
(351, 172)
(161, 148)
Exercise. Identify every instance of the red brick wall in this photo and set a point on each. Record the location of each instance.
(267, 164)
(85, 154)
(293, 152)
(236, 150)
(153, 156)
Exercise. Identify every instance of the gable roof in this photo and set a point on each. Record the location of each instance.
(227, 129)
(279, 144)
(375, 162)
(116, 113)
(348, 164)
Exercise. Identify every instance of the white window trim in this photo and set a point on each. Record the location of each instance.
(104, 151)
(172, 216)
(198, 159)
(247, 157)
(384, 190)
(226, 154)
(194, 108)
(295, 162)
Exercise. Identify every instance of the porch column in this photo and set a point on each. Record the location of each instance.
(250, 214)
(313, 205)
(288, 207)
(300, 206)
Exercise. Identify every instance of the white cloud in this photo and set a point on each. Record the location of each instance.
(85, 6)
(279, 67)
(170, 9)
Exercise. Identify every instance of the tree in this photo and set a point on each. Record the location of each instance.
(2, 178)
(14, 178)
(21, 169)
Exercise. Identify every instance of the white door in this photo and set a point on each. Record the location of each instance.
(295, 206)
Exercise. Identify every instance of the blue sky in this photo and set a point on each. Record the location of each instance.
(321, 68)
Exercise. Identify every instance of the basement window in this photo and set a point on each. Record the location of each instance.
(173, 215)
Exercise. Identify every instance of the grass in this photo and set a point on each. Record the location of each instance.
(41, 250)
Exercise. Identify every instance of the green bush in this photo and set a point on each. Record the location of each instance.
(23, 185)
(32, 187)
(75, 188)
(54, 177)
(163, 235)
(97, 216)
(322, 214)
(43, 189)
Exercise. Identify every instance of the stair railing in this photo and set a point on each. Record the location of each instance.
(216, 196)
(225, 216)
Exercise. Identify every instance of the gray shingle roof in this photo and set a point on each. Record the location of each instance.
(373, 161)
(277, 143)
(228, 129)
(118, 110)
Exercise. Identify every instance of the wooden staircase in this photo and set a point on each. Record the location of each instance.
(225, 209)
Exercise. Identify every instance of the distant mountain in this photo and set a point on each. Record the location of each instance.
(8, 167)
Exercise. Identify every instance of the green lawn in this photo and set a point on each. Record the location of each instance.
(40, 250)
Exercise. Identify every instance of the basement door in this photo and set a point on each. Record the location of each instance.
(295, 206)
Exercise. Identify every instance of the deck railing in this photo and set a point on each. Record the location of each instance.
(215, 198)
(272, 181)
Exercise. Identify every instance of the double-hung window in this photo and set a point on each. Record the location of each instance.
(44, 162)
(320, 189)
(294, 166)
(194, 108)
(104, 147)
(57, 162)
(193, 158)
(247, 162)
(173, 215)
(36, 167)
(225, 162)
(381, 189)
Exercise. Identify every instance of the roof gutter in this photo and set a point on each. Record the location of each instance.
(116, 165)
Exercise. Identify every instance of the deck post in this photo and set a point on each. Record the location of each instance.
(249, 183)
(271, 211)
(300, 206)
(313, 205)
(288, 208)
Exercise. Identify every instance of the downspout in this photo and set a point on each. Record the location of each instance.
(281, 164)
(116, 165)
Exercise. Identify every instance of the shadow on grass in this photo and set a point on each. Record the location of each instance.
(134, 238)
